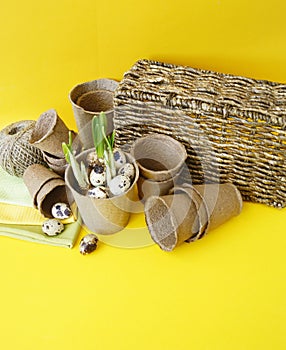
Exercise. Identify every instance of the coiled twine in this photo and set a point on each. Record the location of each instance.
(16, 152)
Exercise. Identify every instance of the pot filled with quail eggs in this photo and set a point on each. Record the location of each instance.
(102, 181)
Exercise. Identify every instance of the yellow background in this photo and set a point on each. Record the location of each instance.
(226, 291)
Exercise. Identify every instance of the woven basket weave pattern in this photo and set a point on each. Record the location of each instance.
(236, 126)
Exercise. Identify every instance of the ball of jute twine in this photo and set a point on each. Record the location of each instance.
(16, 152)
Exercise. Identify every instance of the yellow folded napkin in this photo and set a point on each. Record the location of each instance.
(19, 219)
(33, 233)
(20, 215)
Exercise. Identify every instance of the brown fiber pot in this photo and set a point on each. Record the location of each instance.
(49, 133)
(103, 216)
(171, 219)
(190, 212)
(159, 157)
(221, 201)
(89, 99)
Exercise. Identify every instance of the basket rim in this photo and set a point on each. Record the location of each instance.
(132, 88)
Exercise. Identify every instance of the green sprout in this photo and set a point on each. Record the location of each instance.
(79, 170)
(104, 143)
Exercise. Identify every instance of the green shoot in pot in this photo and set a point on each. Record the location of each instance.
(104, 144)
(98, 132)
(79, 170)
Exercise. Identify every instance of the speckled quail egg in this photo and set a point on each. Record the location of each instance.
(98, 192)
(119, 158)
(61, 211)
(52, 227)
(97, 176)
(119, 184)
(88, 244)
(91, 158)
(128, 170)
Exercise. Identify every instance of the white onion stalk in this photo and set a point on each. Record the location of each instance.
(79, 171)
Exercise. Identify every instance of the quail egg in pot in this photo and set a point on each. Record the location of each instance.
(97, 176)
(98, 192)
(119, 158)
(119, 184)
(128, 170)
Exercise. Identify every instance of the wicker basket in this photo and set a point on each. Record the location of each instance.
(234, 128)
